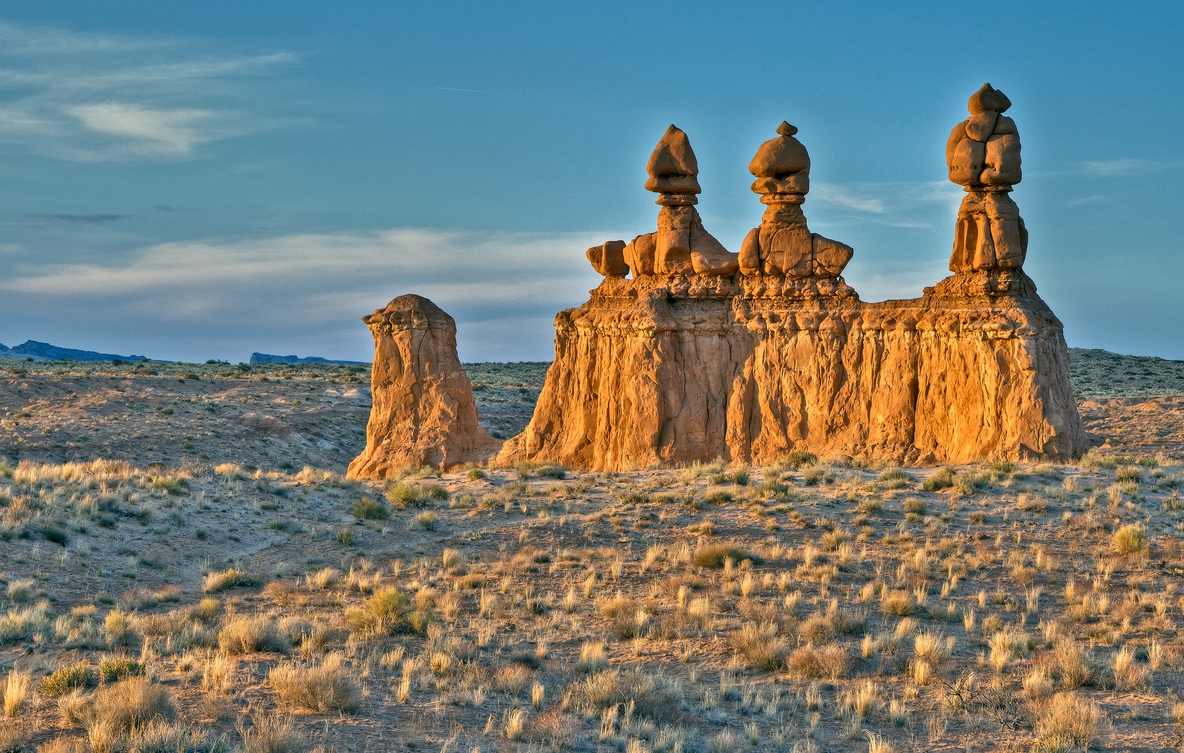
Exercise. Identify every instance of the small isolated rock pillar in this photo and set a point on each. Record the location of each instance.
(423, 411)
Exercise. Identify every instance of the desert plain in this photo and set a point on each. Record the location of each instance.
(184, 566)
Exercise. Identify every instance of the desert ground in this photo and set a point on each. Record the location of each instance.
(185, 567)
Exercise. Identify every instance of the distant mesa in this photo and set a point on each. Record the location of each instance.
(268, 358)
(46, 352)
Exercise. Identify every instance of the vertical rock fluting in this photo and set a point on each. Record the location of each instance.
(676, 368)
(423, 412)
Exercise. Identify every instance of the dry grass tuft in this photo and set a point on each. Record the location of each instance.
(248, 635)
(1069, 721)
(324, 688)
(761, 646)
(715, 556)
(827, 662)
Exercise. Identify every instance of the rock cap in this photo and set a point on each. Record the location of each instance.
(672, 167)
(781, 167)
(988, 99)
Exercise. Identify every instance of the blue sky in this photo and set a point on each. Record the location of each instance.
(201, 180)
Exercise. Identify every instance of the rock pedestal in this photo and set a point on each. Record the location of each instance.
(676, 365)
(423, 411)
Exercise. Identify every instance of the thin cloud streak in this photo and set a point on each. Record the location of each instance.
(87, 219)
(90, 97)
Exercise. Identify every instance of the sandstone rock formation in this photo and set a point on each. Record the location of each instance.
(423, 411)
(681, 246)
(783, 245)
(983, 155)
(678, 364)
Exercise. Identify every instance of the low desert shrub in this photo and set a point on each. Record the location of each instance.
(370, 509)
(226, 579)
(324, 688)
(127, 706)
(652, 697)
(942, 479)
(827, 662)
(1069, 721)
(272, 734)
(68, 678)
(1130, 539)
(116, 668)
(248, 635)
(387, 611)
(21, 590)
(761, 646)
(716, 555)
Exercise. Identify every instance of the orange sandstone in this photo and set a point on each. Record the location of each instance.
(689, 361)
(423, 411)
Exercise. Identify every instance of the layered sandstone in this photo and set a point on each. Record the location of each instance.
(423, 411)
(676, 365)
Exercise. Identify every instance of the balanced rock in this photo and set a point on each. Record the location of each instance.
(681, 246)
(983, 156)
(783, 245)
(678, 368)
(423, 412)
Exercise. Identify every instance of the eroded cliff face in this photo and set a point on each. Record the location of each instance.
(750, 358)
(679, 369)
(423, 411)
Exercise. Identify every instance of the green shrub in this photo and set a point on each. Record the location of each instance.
(715, 555)
(1130, 539)
(370, 509)
(942, 479)
(895, 478)
(116, 668)
(914, 505)
(72, 677)
(550, 470)
(800, 458)
(1129, 473)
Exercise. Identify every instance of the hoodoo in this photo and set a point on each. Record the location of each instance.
(702, 353)
(423, 411)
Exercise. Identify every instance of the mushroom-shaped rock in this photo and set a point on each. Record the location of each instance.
(681, 246)
(672, 169)
(423, 412)
(782, 168)
(783, 244)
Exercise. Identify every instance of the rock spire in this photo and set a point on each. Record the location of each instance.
(423, 411)
(783, 245)
(681, 246)
(983, 156)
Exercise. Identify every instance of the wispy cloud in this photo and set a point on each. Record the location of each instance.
(1114, 166)
(320, 285)
(101, 97)
(842, 196)
(904, 205)
(88, 219)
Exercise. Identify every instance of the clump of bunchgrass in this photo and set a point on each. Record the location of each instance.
(324, 688)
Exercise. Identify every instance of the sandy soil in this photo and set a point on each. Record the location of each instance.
(563, 610)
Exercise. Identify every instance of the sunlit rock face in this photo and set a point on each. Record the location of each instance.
(423, 412)
(748, 356)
